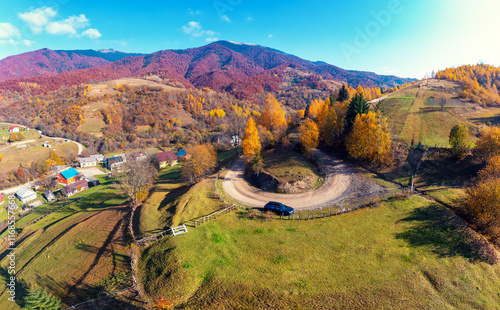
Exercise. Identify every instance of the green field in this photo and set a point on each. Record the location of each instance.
(412, 121)
(76, 252)
(402, 254)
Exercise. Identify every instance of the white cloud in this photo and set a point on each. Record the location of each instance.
(192, 28)
(210, 39)
(195, 30)
(190, 11)
(15, 42)
(270, 35)
(249, 19)
(68, 25)
(38, 18)
(225, 18)
(27, 42)
(92, 33)
(8, 30)
(43, 19)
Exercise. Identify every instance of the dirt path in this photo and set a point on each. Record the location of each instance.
(377, 100)
(412, 129)
(341, 183)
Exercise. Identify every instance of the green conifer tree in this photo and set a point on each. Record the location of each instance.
(343, 94)
(40, 299)
(357, 106)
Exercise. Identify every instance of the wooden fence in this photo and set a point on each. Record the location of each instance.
(214, 215)
(304, 215)
(153, 237)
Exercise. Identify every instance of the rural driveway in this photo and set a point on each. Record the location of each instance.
(341, 183)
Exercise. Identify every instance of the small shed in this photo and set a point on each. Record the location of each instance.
(94, 182)
(49, 196)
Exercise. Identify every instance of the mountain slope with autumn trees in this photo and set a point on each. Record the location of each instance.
(480, 82)
(243, 70)
(44, 62)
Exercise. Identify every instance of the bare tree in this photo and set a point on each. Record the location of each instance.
(442, 103)
(136, 180)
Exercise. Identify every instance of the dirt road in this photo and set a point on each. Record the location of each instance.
(341, 183)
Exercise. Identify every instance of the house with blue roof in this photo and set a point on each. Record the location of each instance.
(183, 155)
(68, 176)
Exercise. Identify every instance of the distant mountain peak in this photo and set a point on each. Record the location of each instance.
(111, 50)
(240, 43)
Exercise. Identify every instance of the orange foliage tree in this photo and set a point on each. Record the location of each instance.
(369, 139)
(273, 117)
(488, 144)
(483, 199)
(308, 135)
(251, 142)
(202, 161)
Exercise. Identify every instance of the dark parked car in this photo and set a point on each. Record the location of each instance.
(279, 208)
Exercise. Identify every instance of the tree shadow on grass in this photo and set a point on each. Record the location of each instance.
(433, 227)
(21, 290)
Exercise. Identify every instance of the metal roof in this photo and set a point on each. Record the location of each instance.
(24, 192)
(68, 174)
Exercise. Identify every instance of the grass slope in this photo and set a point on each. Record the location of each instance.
(414, 117)
(403, 254)
(76, 252)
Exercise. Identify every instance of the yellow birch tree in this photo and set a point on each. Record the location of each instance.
(251, 142)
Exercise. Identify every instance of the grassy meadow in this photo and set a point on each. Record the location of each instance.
(413, 120)
(402, 254)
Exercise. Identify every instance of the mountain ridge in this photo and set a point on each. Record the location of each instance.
(241, 69)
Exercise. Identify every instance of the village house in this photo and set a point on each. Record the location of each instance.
(140, 155)
(183, 155)
(87, 162)
(97, 157)
(167, 159)
(25, 194)
(68, 176)
(49, 196)
(235, 140)
(115, 162)
(14, 129)
(75, 188)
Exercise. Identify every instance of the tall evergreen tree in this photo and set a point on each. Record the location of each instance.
(332, 98)
(343, 94)
(357, 106)
(38, 299)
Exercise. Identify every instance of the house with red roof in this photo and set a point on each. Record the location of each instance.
(14, 129)
(167, 159)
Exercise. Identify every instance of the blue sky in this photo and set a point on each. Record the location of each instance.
(407, 38)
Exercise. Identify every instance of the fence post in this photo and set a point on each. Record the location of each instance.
(308, 217)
